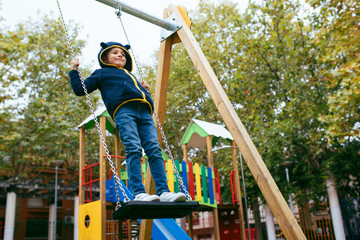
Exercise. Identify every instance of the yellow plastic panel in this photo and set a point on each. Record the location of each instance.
(170, 175)
(90, 221)
(198, 182)
(184, 14)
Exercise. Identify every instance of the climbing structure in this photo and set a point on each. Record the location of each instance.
(98, 194)
(205, 135)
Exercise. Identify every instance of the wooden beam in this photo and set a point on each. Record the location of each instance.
(189, 218)
(81, 164)
(252, 157)
(238, 189)
(102, 174)
(210, 160)
(162, 80)
(118, 171)
(186, 152)
(117, 153)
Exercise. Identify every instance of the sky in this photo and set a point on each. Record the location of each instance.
(99, 22)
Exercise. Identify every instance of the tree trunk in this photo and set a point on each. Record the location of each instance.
(335, 209)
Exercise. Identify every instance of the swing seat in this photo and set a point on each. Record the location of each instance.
(154, 210)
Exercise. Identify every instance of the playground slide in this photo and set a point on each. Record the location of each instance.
(166, 229)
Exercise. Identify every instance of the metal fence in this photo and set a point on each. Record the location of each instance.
(350, 210)
(316, 223)
(38, 229)
(130, 229)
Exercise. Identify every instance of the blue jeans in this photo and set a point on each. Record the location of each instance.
(137, 130)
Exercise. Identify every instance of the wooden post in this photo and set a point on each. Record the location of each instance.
(162, 80)
(103, 178)
(160, 106)
(185, 153)
(81, 164)
(211, 164)
(238, 189)
(117, 153)
(189, 218)
(118, 171)
(252, 157)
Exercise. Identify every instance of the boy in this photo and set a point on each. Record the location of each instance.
(130, 105)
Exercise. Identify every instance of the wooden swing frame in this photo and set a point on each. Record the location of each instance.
(265, 181)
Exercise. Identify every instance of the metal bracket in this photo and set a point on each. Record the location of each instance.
(167, 33)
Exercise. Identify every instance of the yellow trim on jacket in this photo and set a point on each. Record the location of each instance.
(143, 100)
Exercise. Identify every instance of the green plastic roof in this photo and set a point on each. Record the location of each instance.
(89, 121)
(195, 135)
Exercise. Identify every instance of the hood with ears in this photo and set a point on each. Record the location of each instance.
(108, 45)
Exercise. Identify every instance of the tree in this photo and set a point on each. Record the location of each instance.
(336, 28)
(337, 36)
(268, 63)
(39, 112)
(282, 93)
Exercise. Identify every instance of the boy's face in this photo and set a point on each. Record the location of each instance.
(116, 56)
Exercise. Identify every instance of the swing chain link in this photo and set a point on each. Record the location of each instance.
(88, 100)
(167, 147)
(118, 13)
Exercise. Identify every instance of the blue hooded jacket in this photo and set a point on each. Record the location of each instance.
(117, 85)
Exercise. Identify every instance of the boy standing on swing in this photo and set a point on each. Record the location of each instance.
(129, 103)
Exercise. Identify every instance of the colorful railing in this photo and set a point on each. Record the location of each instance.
(233, 187)
(90, 177)
(198, 181)
(88, 180)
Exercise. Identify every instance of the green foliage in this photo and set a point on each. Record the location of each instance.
(337, 36)
(274, 62)
(282, 97)
(39, 112)
(345, 165)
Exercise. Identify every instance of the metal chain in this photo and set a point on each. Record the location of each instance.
(88, 100)
(118, 14)
(167, 147)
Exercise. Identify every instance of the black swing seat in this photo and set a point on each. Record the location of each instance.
(154, 210)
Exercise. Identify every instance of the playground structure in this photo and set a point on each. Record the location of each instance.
(266, 183)
(201, 182)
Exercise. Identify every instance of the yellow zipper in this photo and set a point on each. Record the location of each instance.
(136, 84)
